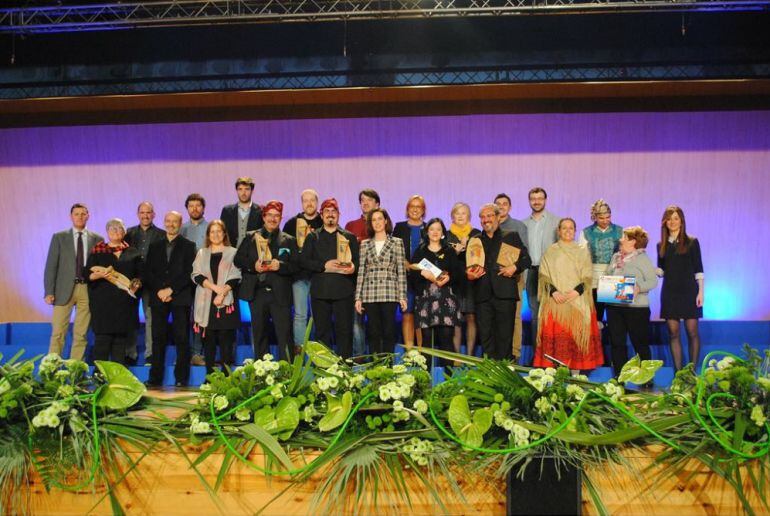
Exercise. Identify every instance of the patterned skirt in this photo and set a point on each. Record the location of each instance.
(557, 341)
(437, 307)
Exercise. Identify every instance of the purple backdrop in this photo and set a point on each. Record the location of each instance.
(714, 165)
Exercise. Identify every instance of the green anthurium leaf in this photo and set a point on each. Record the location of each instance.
(287, 415)
(265, 417)
(122, 390)
(320, 355)
(470, 430)
(482, 418)
(459, 413)
(639, 371)
(337, 411)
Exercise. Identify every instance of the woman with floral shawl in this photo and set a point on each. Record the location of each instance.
(567, 331)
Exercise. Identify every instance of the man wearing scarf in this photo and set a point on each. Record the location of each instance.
(267, 280)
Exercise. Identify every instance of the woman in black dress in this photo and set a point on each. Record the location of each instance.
(437, 306)
(457, 237)
(114, 314)
(216, 313)
(679, 262)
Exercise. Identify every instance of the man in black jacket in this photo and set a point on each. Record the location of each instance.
(495, 286)
(167, 277)
(140, 237)
(266, 282)
(333, 284)
(243, 216)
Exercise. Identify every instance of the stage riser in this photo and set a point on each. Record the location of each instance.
(164, 485)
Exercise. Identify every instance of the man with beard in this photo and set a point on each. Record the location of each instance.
(268, 258)
(494, 285)
(541, 231)
(167, 278)
(333, 283)
(243, 216)
(140, 237)
(300, 226)
(195, 230)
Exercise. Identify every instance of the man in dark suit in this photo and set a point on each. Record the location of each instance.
(267, 280)
(494, 286)
(65, 281)
(243, 216)
(140, 237)
(167, 278)
(333, 283)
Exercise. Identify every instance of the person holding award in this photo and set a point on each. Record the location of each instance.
(412, 233)
(331, 256)
(114, 270)
(381, 285)
(568, 332)
(493, 262)
(300, 226)
(435, 273)
(268, 258)
(460, 232)
(624, 320)
(681, 297)
(215, 309)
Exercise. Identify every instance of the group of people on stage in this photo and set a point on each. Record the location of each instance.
(446, 281)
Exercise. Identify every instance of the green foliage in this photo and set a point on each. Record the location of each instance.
(337, 410)
(469, 428)
(122, 389)
(639, 371)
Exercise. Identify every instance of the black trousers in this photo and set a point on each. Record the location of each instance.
(225, 339)
(495, 319)
(440, 337)
(266, 306)
(334, 317)
(601, 308)
(626, 321)
(111, 346)
(381, 327)
(180, 327)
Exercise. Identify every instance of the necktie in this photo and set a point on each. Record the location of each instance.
(79, 257)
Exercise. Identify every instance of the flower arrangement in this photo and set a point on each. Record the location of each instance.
(368, 423)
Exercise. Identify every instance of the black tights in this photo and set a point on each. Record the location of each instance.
(693, 339)
(226, 340)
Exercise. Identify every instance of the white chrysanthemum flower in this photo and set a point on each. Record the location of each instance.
(243, 414)
(269, 380)
(543, 405)
(508, 424)
(575, 391)
(267, 357)
(420, 406)
(333, 382)
(399, 368)
(398, 406)
(205, 387)
(276, 392)
(220, 402)
(384, 393)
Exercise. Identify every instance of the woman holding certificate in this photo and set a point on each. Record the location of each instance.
(435, 273)
(115, 269)
(632, 319)
(567, 332)
(681, 297)
(215, 310)
(460, 232)
(381, 283)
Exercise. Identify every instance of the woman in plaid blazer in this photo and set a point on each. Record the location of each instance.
(381, 284)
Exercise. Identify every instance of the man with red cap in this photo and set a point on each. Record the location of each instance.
(268, 258)
(333, 282)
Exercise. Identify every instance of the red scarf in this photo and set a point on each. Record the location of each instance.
(104, 247)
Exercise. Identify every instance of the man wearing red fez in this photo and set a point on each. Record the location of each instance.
(268, 259)
(333, 281)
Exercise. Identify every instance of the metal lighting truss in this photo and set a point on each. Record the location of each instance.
(123, 15)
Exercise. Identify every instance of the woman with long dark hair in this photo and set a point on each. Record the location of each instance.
(381, 282)
(680, 264)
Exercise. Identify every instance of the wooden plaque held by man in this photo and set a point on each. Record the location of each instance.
(303, 230)
(344, 256)
(263, 249)
(474, 253)
(508, 255)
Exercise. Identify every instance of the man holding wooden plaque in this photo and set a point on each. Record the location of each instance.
(331, 255)
(494, 261)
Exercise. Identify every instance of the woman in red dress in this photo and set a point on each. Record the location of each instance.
(568, 331)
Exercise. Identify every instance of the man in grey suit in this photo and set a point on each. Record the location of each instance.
(65, 281)
(541, 234)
